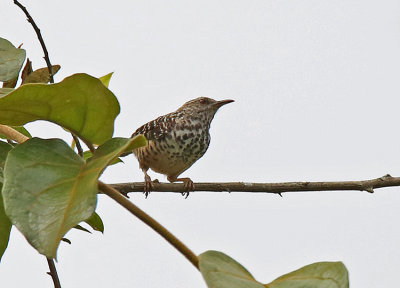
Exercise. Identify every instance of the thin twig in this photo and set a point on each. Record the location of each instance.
(90, 146)
(78, 144)
(53, 273)
(12, 134)
(114, 194)
(39, 35)
(277, 188)
(47, 59)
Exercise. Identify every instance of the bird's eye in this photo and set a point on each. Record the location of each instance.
(203, 101)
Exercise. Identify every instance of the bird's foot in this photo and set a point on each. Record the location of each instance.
(188, 185)
(148, 185)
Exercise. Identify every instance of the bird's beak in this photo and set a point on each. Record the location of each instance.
(223, 102)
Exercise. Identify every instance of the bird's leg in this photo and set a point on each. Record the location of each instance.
(187, 184)
(148, 185)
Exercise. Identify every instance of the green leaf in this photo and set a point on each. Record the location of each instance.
(88, 154)
(95, 222)
(106, 79)
(5, 224)
(79, 227)
(80, 103)
(20, 129)
(48, 189)
(11, 60)
(221, 271)
(316, 275)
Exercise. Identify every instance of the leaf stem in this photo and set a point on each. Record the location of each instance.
(147, 219)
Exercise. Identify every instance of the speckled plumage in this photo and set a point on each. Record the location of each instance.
(177, 140)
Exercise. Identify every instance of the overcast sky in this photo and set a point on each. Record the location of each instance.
(316, 89)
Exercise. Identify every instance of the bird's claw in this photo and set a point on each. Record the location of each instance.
(188, 185)
(148, 186)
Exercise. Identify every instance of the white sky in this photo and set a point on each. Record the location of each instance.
(316, 85)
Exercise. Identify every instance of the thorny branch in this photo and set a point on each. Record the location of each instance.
(276, 188)
(39, 35)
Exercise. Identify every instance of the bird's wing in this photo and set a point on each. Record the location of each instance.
(159, 128)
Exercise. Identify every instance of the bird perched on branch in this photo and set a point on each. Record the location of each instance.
(177, 140)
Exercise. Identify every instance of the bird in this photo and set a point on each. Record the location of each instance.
(175, 141)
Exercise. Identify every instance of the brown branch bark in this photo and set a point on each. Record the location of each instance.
(277, 188)
(12, 134)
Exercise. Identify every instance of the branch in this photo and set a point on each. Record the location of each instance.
(114, 194)
(277, 188)
(53, 273)
(39, 35)
(77, 144)
(12, 134)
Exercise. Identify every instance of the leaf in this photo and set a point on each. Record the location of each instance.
(41, 75)
(80, 103)
(106, 79)
(27, 70)
(88, 154)
(11, 60)
(316, 275)
(48, 189)
(79, 227)
(5, 91)
(5, 224)
(95, 222)
(20, 129)
(66, 240)
(10, 84)
(221, 271)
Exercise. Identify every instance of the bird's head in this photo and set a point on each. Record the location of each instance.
(203, 107)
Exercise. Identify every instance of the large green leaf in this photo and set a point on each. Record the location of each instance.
(221, 271)
(48, 189)
(5, 224)
(11, 60)
(80, 103)
(316, 275)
